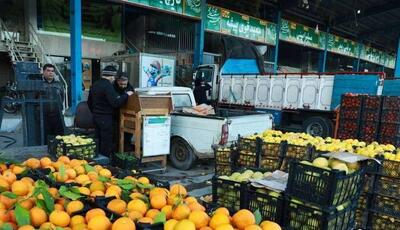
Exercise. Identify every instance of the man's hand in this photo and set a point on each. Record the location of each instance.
(129, 93)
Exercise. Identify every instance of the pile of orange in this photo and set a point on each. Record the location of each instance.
(146, 203)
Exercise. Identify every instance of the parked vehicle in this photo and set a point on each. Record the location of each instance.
(193, 136)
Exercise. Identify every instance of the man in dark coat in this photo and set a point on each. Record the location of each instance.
(102, 101)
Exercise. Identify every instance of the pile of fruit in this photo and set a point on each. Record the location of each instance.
(329, 144)
(332, 163)
(29, 203)
(77, 146)
(245, 176)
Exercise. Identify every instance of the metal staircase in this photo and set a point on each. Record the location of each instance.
(30, 51)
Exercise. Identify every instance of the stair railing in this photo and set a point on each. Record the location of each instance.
(9, 39)
(45, 56)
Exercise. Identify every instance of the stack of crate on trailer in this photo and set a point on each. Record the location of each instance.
(370, 116)
(350, 116)
(389, 132)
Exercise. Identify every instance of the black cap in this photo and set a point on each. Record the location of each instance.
(109, 71)
(122, 76)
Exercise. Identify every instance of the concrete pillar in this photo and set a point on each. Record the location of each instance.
(199, 36)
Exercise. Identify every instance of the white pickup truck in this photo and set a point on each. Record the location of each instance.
(193, 136)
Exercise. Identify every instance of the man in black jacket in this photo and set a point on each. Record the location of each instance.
(121, 86)
(102, 101)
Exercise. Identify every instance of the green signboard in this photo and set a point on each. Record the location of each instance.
(99, 20)
(342, 46)
(299, 34)
(192, 8)
(213, 20)
(270, 33)
(169, 5)
(391, 61)
(372, 55)
(243, 26)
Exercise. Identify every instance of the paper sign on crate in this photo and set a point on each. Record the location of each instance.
(348, 157)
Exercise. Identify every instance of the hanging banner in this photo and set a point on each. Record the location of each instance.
(391, 61)
(213, 20)
(342, 46)
(192, 8)
(270, 33)
(372, 55)
(299, 34)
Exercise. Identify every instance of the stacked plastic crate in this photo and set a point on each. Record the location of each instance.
(389, 132)
(350, 116)
(371, 114)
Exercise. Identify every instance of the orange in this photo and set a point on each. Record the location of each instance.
(97, 186)
(97, 193)
(253, 227)
(61, 201)
(82, 179)
(27, 204)
(206, 228)
(243, 218)
(11, 213)
(78, 219)
(158, 201)
(47, 226)
(8, 202)
(174, 200)
(45, 162)
(3, 167)
(181, 212)
(146, 220)
(2, 206)
(167, 209)
(152, 213)
(196, 206)
(178, 189)
(199, 218)
(157, 191)
(222, 210)
(93, 175)
(117, 206)
(135, 195)
(94, 212)
(74, 162)
(4, 216)
(170, 224)
(137, 205)
(18, 169)
(105, 173)
(185, 225)
(99, 222)
(218, 219)
(224, 227)
(71, 173)
(74, 206)
(81, 226)
(59, 218)
(52, 169)
(123, 223)
(64, 159)
(61, 177)
(28, 180)
(270, 225)
(84, 191)
(53, 192)
(4, 184)
(144, 180)
(112, 193)
(58, 207)
(135, 215)
(57, 165)
(79, 169)
(98, 168)
(26, 227)
(114, 188)
(9, 176)
(190, 199)
(32, 163)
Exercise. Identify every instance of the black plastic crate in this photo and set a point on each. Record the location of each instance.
(300, 216)
(323, 187)
(380, 221)
(299, 152)
(270, 163)
(229, 194)
(387, 186)
(272, 149)
(362, 211)
(225, 159)
(58, 148)
(391, 102)
(394, 140)
(390, 168)
(269, 203)
(351, 101)
(248, 144)
(247, 159)
(369, 131)
(389, 129)
(348, 129)
(125, 161)
(369, 182)
(390, 116)
(371, 115)
(372, 102)
(350, 113)
(386, 204)
(223, 169)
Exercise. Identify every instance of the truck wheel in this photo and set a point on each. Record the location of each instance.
(182, 155)
(318, 126)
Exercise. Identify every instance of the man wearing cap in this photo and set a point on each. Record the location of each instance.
(102, 101)
(121, 86)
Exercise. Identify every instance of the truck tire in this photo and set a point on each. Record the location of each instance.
(182, 155)
(318, 126)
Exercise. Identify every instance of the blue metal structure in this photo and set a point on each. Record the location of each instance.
(325, 55)
(76, 52)
(199, 37)
(278, 28)
(397, 66)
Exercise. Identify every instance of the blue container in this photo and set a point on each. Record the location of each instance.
(277, 114)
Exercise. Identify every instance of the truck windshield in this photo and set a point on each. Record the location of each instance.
(181, 100)
(205, 73)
